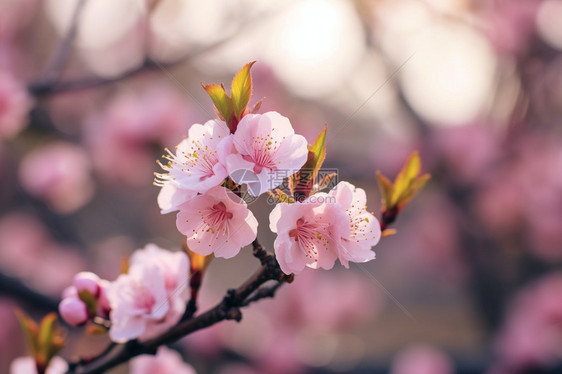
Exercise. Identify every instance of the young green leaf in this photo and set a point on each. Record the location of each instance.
(241, 90)
(222, 102)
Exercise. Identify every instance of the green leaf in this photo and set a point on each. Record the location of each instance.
(386, 188)
(241, 90)
(90, 301)
(303, 181)
(222, 102)
(30, 331)
(405, 178)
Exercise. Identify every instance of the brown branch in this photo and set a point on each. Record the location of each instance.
(227, 309)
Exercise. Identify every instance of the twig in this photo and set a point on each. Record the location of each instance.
(53, 69)
(263, 293)
(81, 361)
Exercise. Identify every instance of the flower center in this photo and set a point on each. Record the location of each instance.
(310, 236)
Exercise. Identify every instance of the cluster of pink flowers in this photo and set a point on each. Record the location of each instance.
(313, 233)
(84, 299)
(147, 300)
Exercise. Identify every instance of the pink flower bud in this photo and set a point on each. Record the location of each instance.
(73, 311)
(86, 281)
(103, 303)
(70, 291)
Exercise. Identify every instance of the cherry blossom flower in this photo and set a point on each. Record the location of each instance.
(308, 233)
(15, 103)
(26, 365)
(151, 297)
(166, 361)
(364, 229)
(262, 145)
(217, 222)
(195, 167)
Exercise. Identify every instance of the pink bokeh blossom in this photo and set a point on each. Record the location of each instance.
(60, 174)
(15, 104)
(26, 365)
(166, 361)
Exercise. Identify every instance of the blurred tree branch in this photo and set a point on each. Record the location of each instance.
(15, 288)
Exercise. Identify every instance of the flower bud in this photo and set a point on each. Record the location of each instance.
(86, 281)
(103, 303)
(70, 291)
(73, 311)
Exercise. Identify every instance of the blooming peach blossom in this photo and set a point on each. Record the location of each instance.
(15, 103)
(26, 365)
(364, 229)
(262, 145)
(308, 233)
(166, 361)
(194, 167)
(217, 222)
(151, 297)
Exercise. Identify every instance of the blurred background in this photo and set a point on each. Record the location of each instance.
(92, 90)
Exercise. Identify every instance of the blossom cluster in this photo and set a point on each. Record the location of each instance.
(204, 180)
(314, 232)
(146, 300)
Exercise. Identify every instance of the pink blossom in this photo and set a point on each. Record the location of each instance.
(166, 361)
(530, 337)
(151, 297)
(262, 145)
(26, 365)
(195, 167)
(422, 359)
(122, 136)
(60, 174)
(364, 229)
(15, 103)
(217, 222)
(308, 233)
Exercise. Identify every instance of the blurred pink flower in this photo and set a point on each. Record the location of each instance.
(532, 332)
(122, 137)
(275, 335)
(364, 230)
(262, 145)
(422, 359)
(15, 15)
(15, 104)
(523, 196)
(151, 297)
(194, 167)
(217, 222)
(29, 252)
(60, 174)
(26, 365)
(166, 361)
(509, 24)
